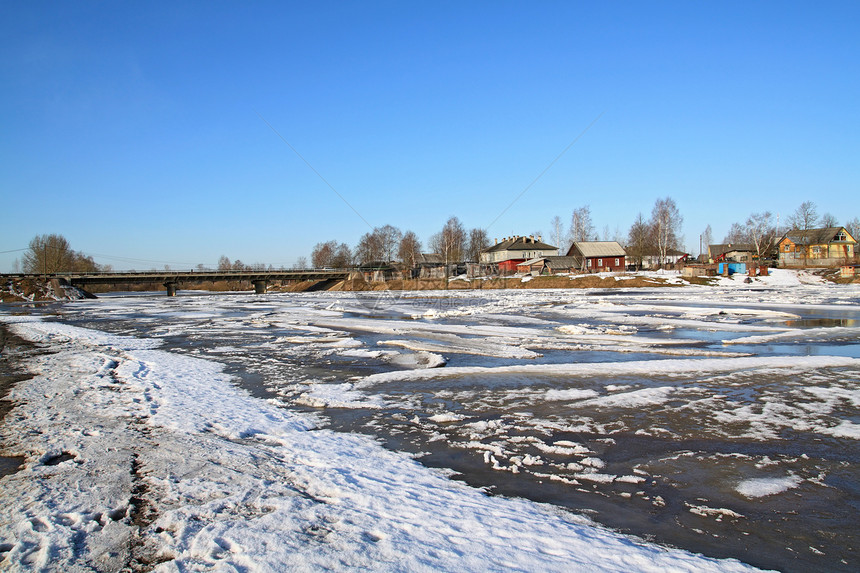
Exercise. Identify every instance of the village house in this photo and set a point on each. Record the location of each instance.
(731, 252)
(505, 255)
(828, 246)
(598, 256)
(429, 266)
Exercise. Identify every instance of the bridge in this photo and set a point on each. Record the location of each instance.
(171, 279)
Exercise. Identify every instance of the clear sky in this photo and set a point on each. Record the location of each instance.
(139, 130)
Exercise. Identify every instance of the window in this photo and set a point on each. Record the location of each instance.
(816, 250)
(588, 263)
(841, 236)
(617, 262)
(599, 262)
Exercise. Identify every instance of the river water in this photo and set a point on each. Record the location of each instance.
(724, 422)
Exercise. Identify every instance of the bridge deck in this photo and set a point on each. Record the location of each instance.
(176, 277)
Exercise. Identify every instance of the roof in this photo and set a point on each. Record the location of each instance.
(429, 259)
(561, 262)
(531, 262)
(553, 262)
(716, 250)
(518, 243)
(597, 249)
(821, 236)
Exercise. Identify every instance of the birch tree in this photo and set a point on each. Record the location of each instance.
(449, 243)
(556, 232)
(581, 227)
(666, 221)
(705, 240)
(760, 232)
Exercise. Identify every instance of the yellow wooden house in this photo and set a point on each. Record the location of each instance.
(818, 247)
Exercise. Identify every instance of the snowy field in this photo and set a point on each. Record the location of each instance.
(679, 428)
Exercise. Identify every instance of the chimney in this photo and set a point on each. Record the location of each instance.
(495, 241)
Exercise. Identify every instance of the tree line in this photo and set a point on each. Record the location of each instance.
(388, 243)
(657, 236)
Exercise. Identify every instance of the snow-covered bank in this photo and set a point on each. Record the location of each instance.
(138, 456)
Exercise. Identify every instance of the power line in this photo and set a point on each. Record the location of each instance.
(342, 198)
(547, 168)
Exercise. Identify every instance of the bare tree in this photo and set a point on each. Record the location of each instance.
(52, 254)
(760, 232)
(322, 254)
(737, 234)
(478, 241)
(666, 221)
(389, 240)
(224, 263)
(341, 256)
(853, 228)
(556, 231)
(805, 217)
(581, 227)
(409, 249)
(449, 242)
(369, 248)
(47, 254)
(638, 239)
(829, 220)
(301, 263)
(705, 240)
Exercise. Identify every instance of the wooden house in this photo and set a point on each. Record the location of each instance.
(598, 256)
(829, 246)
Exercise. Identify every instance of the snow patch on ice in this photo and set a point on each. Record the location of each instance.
(761, 487)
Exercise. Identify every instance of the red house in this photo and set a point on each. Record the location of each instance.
(598, 256)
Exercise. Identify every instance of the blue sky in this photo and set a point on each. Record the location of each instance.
(135, 130)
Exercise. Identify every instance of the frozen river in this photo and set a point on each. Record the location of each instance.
(718, 420)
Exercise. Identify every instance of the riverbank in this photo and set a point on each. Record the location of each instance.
(138, 458)
(30, 290)
(13, 350)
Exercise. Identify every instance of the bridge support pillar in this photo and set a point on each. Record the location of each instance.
(260, 287)
(171, 289)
